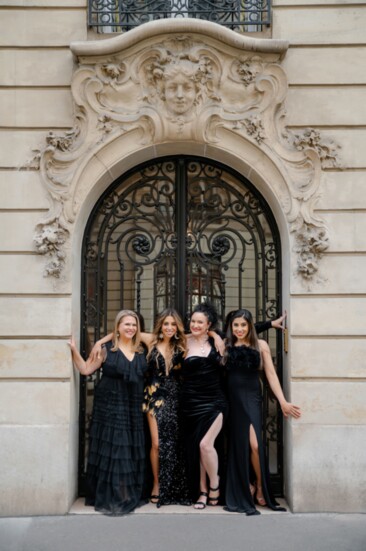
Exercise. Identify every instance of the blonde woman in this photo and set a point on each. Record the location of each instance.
(116, 460)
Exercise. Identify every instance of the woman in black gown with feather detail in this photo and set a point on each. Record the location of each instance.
(247, 472)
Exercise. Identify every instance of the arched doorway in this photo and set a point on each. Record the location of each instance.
(174, 232)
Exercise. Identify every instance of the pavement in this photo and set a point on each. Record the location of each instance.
(183, 529)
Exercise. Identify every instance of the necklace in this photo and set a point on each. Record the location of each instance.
(202, 345)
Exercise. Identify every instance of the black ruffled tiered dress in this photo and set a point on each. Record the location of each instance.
(116, 460)
(202, 401)
(245, 402)
(162, 401)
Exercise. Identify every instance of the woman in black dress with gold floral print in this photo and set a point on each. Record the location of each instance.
(161, 402)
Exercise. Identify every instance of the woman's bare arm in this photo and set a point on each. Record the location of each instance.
(274, 383)
(85, 367)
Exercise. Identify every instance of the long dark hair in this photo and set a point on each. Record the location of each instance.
(252, 334)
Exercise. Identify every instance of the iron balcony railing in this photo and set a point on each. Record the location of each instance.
(109, 16)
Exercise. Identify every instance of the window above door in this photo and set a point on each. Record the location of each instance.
(116, 16)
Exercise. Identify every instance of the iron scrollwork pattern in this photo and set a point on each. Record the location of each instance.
(122, 15)
(181, 223)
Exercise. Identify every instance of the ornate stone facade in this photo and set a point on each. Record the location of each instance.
(183, 88)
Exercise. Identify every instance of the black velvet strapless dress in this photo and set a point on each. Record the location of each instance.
(245, 401)
(202, 400)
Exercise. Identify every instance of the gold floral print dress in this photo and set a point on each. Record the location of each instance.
(161, 399)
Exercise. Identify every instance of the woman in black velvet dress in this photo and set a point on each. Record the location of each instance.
(116, 459)
(203, 407)
(247, 472)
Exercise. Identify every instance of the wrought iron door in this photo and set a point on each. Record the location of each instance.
(176, 232)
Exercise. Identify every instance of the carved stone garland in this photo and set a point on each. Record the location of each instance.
(181, 89)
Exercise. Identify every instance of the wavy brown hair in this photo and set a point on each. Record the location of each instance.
(136, 339)
(177, 344)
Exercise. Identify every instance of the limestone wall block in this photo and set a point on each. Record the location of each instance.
(34, 403)
(326, 316)
(36, 108)
(32, 359)
(335, 276)
(42, 27)
(16, 148)
(24, 274)
(326, 106)
(22, 190)
(326, 25)
(328, 465)
(330, 402)
(29, 67)
(347, 231)
(34, 474)
(17, 230)
(328, 357)
(325, 65)
(342, 190)
(35, 316)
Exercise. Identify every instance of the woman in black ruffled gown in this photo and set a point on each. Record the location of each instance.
(204, 408)
(116, 460)
(247, 471)
(161, 402)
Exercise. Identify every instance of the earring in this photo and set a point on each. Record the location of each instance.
(117, 333)
(176, 336)
(161, 336)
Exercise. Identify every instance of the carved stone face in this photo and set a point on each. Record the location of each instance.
(180, 93)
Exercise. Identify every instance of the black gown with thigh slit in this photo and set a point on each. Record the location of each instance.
(161, 400)
(116, 460)
(202, 400)
(245, 402)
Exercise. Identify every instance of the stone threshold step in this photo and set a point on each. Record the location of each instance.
(79, 508)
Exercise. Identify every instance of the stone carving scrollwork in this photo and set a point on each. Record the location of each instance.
(182, 87)
(326, 149)
(311, 242)
(49, 241)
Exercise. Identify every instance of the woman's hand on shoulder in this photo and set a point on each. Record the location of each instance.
(96, 352)
(219, 343)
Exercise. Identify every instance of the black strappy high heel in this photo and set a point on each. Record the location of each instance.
(202, 504)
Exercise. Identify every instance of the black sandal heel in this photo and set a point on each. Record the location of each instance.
(202, 504)
(215, 499)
